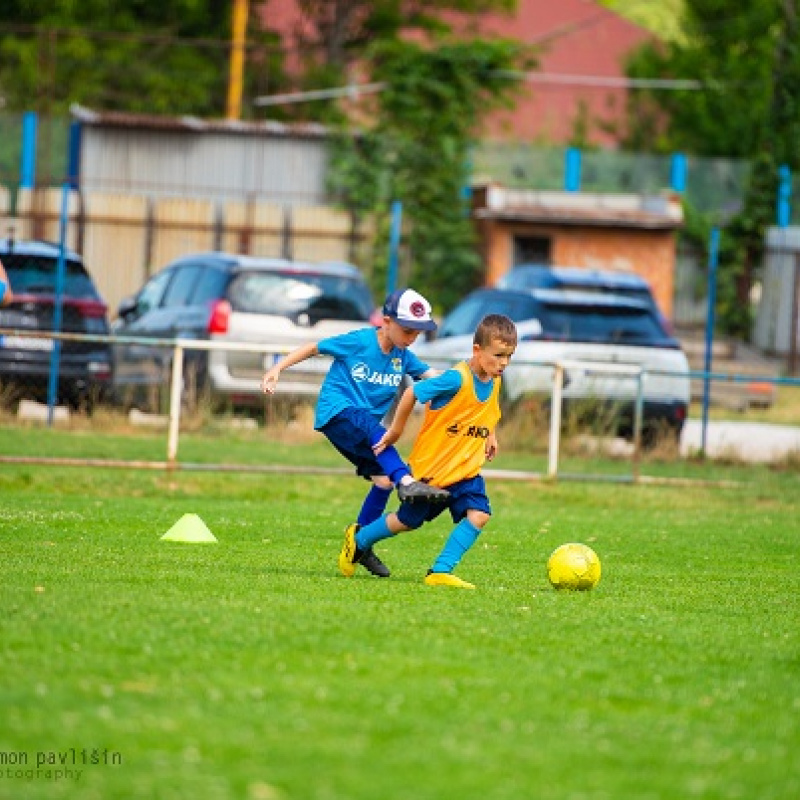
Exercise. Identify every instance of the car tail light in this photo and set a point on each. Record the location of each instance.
(92, 314)
(220, 316)
(89, 308)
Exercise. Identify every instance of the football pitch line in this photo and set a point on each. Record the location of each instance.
(489, 474)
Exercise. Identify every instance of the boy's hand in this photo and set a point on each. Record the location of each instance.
(387, 440)
(270, 381)
(491, 447)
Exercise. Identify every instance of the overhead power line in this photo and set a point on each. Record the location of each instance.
(354, 90)
(607, 81)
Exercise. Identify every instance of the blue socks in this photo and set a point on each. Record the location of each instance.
(374, 505)
(390, 460)
(461, 539)
(372, 533)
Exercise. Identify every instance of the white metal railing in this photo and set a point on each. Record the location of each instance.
(179, 346)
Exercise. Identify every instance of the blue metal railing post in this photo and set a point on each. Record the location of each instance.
(394, 245)
(784, 209)
(58, 308)
(677, 172)
(74, 155)
(572, 170)
(27, 172)
(713, 256)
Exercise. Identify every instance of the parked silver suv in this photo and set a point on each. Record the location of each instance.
(595, 332)
(233, 298)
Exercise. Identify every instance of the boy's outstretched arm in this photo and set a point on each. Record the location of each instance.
(270, 379)
(401, 415)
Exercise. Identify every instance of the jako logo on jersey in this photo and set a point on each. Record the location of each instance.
(475, 431)
(360, 374)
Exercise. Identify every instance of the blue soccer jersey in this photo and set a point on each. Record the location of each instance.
(362, 375)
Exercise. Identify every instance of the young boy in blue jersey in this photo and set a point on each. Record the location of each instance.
(367, 370)
(456, 438)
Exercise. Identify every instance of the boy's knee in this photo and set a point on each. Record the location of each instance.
(478, 518)
(382, 482)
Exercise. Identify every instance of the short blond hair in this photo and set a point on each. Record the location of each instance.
(495, 326)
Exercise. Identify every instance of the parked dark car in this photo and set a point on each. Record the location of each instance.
(85, 368)
(226, 297)
(602, 281)
(582, 328)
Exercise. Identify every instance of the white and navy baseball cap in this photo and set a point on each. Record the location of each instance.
(410, 309)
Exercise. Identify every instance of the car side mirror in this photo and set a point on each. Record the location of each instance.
(127, 307)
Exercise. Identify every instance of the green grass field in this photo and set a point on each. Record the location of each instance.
(250, 669)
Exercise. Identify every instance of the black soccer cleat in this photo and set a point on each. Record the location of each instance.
(370, 561)
(421, 492)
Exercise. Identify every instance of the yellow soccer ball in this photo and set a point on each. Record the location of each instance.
(574, 567)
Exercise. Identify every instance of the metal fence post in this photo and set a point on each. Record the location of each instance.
(175, 405)
(638, 416)
(555, 422)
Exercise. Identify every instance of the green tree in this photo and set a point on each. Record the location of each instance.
(169, 57)
(417, 152)
(747, 58)
(333, 43)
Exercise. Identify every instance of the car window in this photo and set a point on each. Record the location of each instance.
(600, 324)
(182, 285)
(522, 278)
(209, 286)
(151, 293)
(293, 295)
(464, 318)
(36, 274)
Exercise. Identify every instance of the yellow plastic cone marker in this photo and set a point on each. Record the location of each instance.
(189, 528)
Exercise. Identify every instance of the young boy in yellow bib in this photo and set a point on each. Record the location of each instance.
(456, 438)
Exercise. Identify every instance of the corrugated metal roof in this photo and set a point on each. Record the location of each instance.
(119, 119)
(593, 217)
(496, 202)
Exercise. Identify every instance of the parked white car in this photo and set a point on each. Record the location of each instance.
(584, 330)
(230, 298)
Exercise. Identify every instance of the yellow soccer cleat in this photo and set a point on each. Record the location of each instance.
(446, 579)
(348, 558)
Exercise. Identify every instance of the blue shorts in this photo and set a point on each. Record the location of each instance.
(466, 495)
(351, 432)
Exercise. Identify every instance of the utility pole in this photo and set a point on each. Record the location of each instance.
(238, 47)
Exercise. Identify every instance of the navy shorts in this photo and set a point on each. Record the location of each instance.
(466, 495)
(351, 432)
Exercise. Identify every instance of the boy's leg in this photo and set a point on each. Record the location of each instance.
(471, 510)
(462, 537)
(357, 543)
(409, 490)
(354, 433)
(374, 504)
(372, 509)
(348, 432)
